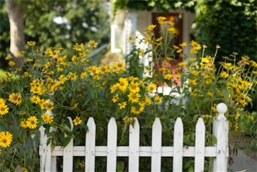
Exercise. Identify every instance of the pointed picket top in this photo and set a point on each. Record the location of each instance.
(156, 145)
(112, 122)
(199, 145)
(178, 146)
(90, 145)
(134, 146)
(71, 123)
(112, 145)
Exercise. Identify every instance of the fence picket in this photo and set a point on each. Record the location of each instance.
(68, 157)
(112, 145)
(134, 146)
(90, 145)
(178, 146)
(43, 139)
(199, 146)
(156, 145)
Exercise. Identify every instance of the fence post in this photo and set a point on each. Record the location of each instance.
(220, 130)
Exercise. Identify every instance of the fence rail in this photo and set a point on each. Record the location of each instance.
(134, 150)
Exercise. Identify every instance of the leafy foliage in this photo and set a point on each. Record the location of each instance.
(59, 23)
(231, 24)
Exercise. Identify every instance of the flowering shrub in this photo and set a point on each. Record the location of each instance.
(52, 87)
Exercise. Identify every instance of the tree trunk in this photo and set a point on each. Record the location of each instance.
(15, 14)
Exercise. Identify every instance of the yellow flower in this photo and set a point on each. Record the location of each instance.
(223, 74)
(148, 101)
(25, 170)
(237, 116)
(21, 53)
(133, 97)
(168, 76)
(115, 98)
(22, 112)
(32, 122)
(114, 87)
(24, 124)
(31, 43)
(79, 47)
(183, 44)
(8, 58)
(92, 44)
(3, 109)
(147, 39)
(47, 118)
(2, 101)
(141, 52)
(172, 30)
(82, 164)
(206, 116)
(83, 75)
(179, 51)
(73, 76)
(77, 121)
(250, 117)
(122, 105)
(48, 105)
(123, 84)
(5, 139)
(161, 19)
(151, 87)
(157, 99)
(127, 119)
(15, 98)
(35, 99)
(150, 27)
(134, 110)
(210, 94)
(182, 64)
(11, 63)
(193, 82)
(134, 87)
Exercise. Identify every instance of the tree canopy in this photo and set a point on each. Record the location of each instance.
(59, 23)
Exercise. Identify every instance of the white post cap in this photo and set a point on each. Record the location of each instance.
(221, 109)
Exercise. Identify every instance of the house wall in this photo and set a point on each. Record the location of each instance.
(123, 25)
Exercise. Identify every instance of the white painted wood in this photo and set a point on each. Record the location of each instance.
(156, 145)
(220, 130)
(144, 151)
(178, 146)
(133, 151)
(48, 158)
(221, 133)
(112, 145)
(68, 153)
(199, 146)
(68, 157)
(134, 146)
(42, 148)
(90, 145)
(53, 164)
(130, 30)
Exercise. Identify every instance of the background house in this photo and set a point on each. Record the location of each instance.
(134, 22)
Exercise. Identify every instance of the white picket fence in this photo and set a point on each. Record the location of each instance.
(219, 151)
